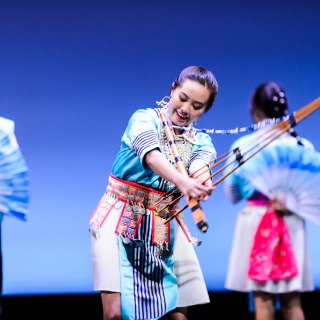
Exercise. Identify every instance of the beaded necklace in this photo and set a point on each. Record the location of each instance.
(248, 129)
(251, 128)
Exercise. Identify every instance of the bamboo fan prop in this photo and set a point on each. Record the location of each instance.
(240, 155)
(288, 171)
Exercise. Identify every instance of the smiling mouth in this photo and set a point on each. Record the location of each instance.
(182, 118)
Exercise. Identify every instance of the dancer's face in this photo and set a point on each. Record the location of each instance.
(188, 102)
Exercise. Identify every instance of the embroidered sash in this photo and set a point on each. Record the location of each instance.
(136, 201)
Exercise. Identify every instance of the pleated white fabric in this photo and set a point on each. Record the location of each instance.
(105, 255)
(191, 283)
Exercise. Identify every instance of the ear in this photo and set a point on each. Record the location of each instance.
(173, 86)
(258, 115)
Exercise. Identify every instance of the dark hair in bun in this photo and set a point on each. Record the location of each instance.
(271, 99)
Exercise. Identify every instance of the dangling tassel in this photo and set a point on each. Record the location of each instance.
(272, 256)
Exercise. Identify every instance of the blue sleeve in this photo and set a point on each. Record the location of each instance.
(236, 187)
(203, 150)
(142, 132)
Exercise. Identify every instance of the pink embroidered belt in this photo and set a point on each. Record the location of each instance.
(136, 201)
(272, 255)
(137, 194)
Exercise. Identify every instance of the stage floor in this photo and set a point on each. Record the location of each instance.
(231, 305)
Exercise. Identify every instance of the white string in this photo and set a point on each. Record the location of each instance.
(253, 127)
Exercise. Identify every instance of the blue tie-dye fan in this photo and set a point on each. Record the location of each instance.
(287, 170)
(14, 179)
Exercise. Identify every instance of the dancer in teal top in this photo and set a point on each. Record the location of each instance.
(143, 267)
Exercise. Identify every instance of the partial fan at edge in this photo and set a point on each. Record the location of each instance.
(14, 178)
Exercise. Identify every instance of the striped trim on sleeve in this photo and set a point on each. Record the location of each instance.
(203, 155)
(145, 141)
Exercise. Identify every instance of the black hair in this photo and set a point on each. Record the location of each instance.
(202, 76)
(271, 99)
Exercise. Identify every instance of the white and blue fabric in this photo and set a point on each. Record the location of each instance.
(14, 179)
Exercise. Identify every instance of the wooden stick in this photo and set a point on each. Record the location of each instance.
(197, 212)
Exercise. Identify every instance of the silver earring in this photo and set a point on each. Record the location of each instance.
(164, 102)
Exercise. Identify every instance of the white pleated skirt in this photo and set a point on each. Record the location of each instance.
(106, 266)
(245, 229)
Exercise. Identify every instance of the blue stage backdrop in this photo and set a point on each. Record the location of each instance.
(72, 73)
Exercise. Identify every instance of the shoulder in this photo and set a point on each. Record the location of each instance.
(150, 112)
(203, 143)
(242, 140)
(202, 137)
(142, 121)
(147, 114)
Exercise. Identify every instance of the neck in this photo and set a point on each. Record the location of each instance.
(177, 131)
